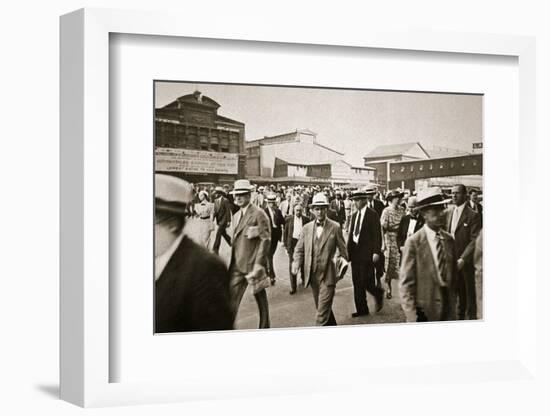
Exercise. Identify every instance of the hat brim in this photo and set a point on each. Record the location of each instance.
(172, 207)
(319, 205)
(240, 192)
(432, 204)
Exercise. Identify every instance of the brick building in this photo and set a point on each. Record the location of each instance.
(194, 142)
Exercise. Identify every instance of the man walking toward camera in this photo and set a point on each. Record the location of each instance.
(250, 251)
(294, 225)
(464, 224)
(316, 250)
(191, 284)
(428, 275)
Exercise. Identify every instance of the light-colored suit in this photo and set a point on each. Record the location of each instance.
(419, 285)
(251, 240)
(323, 277)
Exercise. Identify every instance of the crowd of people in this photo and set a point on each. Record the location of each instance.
(426, 246)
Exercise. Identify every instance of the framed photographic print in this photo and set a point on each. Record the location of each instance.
(225, 197)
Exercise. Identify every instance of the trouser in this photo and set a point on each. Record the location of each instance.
(348, 221)
(323, 296)
(362, 275)
(272, 250)
(467, 307)
(221, 232)
(293, 277)
(237, 287)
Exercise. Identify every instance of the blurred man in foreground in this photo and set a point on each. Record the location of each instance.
(191, 284)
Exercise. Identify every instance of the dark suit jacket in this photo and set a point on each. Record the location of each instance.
(277, 228)
(222, 211)
(404, 227)
(378, 207)
(370, 238)
(247, 249)
(289, 228)
(340, 212)
(332, 215)
(419, 286)
(479, 210)
(192, 293)
(466, 233)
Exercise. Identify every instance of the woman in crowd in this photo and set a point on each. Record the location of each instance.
(204, 211)
(390, 219)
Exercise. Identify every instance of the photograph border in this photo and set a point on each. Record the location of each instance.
(85, 166)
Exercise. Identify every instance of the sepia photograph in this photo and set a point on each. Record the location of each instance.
(294, 206)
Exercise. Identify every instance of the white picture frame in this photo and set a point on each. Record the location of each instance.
(85, 167)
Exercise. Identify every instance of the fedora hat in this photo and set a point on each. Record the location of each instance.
(363, 192)
(431, 197)
(319, 200)
(219, 190)
(172, 194)
(241, 187)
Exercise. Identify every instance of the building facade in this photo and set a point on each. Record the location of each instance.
(194, 142)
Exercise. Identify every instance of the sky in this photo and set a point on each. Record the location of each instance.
(351, 121)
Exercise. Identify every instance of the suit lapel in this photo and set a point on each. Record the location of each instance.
(428, 252)
(244, 220)
(325, 234)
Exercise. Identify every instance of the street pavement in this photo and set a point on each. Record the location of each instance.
(298, 310)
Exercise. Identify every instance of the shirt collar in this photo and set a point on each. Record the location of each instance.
(432, 235)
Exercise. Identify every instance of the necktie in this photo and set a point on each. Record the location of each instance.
(357, 228)
(440, 257)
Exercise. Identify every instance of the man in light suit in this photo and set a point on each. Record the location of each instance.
(316, 250)
(464, 224)
(250, 249)
(364, 250)
(428, 275)
(191, 284)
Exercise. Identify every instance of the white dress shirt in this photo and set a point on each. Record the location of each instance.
(432, 240)
(457, 213)
(319, 229)
(298, 225)
(412, 226)
(162, 260)
(360, 217)
(240, 214)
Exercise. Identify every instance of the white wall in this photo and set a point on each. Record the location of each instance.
(29, 209)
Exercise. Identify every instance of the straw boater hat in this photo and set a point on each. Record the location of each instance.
(396, 193)
(172, 194)
(431, 197)
(241, 187)
(319, 200)
(363, 192)
(271, 198)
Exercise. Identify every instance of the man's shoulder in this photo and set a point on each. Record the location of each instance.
(196, 256)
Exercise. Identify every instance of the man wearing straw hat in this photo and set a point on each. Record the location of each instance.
(428, 275)
(191, 284)
(250, 251)
(364, 250)
(316, 250)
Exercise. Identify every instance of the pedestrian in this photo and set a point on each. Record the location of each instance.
(347, 207)
(464, 224)
(316, 249)
(428, 275)
(364, 248)
(276, 222)
(191, 284)
(390, 219)
(222, 216)
(204, 212)
(294, 225)
(250, 252)
(337, 205)
(478, 264)
(410, 223)
(475, 205)
(286, 207)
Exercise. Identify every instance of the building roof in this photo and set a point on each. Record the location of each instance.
(196, 98)
(400, 149)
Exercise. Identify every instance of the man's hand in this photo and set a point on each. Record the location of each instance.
(375, 258)
(294, 269)
(460, 264)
